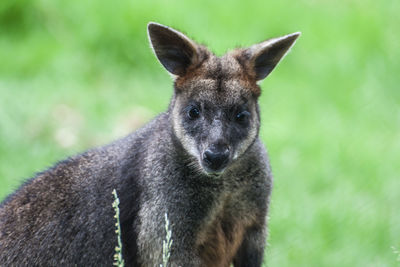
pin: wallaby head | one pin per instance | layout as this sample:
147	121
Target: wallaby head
214	111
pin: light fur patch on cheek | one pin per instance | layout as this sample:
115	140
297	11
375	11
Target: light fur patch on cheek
250	138
187	142
245	143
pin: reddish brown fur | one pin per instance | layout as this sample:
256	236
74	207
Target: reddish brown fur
220	238
220	69
215	248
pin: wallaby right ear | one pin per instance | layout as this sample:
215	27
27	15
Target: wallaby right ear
262	58
174	50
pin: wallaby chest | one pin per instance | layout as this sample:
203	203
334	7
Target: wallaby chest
219	238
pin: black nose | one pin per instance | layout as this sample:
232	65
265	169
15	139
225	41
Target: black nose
216	158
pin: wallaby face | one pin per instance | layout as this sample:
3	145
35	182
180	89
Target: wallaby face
201	163
214	111
215	118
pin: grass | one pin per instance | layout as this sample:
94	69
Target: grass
167	243
118	259
76	74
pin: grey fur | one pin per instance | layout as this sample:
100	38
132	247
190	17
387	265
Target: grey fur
217	213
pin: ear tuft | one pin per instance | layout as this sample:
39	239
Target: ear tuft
262	58
174	50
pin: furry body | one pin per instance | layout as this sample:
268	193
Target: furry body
217	206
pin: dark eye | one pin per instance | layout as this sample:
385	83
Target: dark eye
194	113
242	116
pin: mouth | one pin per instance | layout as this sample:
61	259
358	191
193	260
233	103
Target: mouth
211	168
213	173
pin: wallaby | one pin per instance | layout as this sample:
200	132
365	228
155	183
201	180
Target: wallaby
201	163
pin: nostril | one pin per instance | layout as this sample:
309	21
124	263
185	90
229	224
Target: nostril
208	156
211	157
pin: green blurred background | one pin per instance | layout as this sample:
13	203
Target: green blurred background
75	74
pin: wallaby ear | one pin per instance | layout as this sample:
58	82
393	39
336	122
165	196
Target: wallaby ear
174	50
262	58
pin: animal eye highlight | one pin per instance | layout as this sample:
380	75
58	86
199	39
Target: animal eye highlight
193	113
242	116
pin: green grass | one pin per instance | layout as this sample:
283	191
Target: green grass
118	259
74	74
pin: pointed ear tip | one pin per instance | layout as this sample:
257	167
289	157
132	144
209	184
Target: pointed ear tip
295	34
153	25
292	37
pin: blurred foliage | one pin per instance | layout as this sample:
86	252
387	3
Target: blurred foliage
74	74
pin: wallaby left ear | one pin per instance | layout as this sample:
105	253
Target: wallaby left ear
262	58
174	50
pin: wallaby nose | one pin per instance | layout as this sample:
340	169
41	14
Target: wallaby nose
216	158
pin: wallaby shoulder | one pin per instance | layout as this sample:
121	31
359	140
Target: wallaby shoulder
53	206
